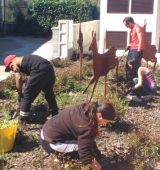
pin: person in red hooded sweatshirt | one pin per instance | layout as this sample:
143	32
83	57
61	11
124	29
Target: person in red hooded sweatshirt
42	77
137	44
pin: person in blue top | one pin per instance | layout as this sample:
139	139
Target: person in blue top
42	77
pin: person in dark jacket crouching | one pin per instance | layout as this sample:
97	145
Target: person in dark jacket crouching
74	130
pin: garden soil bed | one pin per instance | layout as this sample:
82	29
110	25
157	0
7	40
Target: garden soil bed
28	154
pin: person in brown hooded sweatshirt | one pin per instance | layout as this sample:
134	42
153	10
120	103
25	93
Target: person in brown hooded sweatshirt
73	132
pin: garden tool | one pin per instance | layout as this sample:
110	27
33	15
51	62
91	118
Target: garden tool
16	113
128	91
122	55
126	49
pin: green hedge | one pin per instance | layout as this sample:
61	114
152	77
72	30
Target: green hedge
48	12
44	14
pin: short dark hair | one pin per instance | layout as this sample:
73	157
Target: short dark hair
128	19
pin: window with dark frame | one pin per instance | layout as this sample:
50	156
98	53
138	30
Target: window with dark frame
117	39
118	6
142	6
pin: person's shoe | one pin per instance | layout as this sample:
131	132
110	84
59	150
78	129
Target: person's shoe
52	112
148	97
56	159
134	98
49	117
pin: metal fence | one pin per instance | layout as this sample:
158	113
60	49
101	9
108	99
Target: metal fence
0	10
8	16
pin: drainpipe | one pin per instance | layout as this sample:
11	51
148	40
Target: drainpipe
3	16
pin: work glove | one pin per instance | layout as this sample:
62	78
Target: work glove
127	48
20	96
130	91
138	55
97	154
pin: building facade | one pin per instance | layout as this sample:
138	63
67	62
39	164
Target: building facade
112	28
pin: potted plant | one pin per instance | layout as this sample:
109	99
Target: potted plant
8	130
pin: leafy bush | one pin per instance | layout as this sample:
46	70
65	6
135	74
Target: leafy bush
28	27
13	7
48	13
65	84
58	62
20	25
39	16
7	123
144	149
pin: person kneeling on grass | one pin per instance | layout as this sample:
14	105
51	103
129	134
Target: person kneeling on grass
73	132
144	82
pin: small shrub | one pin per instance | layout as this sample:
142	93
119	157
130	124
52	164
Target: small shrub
87	68
61	62
7	123
48	13
144	149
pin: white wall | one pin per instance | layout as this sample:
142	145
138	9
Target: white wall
86	28
158	27
114	22
66	35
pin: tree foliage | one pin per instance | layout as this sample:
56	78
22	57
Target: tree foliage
38	17
13	8
48	12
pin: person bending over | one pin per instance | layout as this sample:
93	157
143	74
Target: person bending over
73	131
42	77
144	82
137	44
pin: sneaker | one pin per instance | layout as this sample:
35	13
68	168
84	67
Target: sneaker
56	160
134	98
148	97
52	112
49	117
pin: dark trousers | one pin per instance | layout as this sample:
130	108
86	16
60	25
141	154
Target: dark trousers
131	55
40	80
144	90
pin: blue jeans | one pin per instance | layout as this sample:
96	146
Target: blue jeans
131	55
144	90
